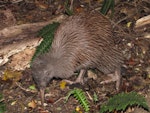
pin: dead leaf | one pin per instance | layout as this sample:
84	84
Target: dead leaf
41	110
32	104
50	100
91	75
11	75
131	62
79	10
63	84
21	60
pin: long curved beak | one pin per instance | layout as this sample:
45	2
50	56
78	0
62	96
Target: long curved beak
42	91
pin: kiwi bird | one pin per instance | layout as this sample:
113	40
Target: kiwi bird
83	41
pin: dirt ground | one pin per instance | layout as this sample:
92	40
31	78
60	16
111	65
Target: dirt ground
135	47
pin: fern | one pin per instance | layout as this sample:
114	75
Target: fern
80	96
47	33
67	9
122	101
2	105
95	97
107	5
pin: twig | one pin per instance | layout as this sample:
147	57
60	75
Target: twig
59	100
16	1
89	96
26	90
71	5
115	24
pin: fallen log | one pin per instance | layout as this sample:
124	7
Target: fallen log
16	39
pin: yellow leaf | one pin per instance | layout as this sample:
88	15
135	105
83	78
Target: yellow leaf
129	24
11	75
63	84
77	108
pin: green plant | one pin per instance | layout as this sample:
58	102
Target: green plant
67	9
47	33
80	96
95	97
122	101
2	105
107	5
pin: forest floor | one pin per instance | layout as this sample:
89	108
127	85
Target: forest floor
135	47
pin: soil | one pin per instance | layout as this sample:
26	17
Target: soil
20	98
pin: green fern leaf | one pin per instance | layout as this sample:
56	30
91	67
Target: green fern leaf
122	101
67	9
48	29
80	96
107	5
95	97
47	33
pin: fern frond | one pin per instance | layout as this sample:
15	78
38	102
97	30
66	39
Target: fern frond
124	100
95	97
107	5
80	96
47	33
48	29
67	9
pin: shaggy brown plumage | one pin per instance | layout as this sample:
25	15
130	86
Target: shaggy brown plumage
83	41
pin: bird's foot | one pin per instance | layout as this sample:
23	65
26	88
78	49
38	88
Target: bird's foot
74	82
115	77
79	79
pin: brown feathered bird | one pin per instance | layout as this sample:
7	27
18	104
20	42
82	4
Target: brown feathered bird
83	41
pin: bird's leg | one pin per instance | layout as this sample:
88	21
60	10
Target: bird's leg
118	78
79	79
115	77
42	91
